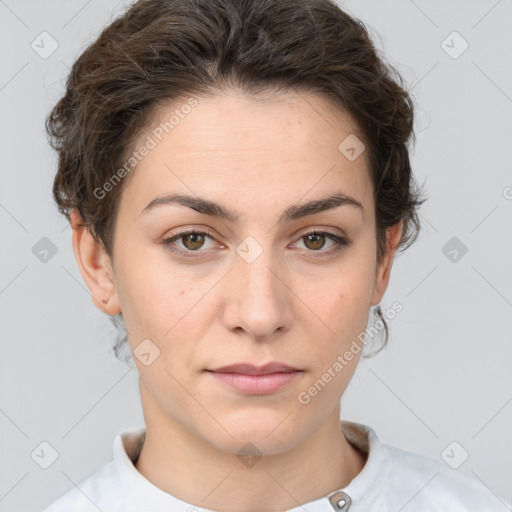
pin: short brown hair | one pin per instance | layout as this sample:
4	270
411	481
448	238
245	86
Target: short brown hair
162	50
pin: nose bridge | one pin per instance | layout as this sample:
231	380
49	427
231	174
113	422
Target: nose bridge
258	301
258	276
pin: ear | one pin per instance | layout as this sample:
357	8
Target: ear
95	267
384	266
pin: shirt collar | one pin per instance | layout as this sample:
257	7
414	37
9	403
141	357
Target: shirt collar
363	489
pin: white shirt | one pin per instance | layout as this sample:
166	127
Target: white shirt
392	480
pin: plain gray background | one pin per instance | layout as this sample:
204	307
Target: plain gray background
446	373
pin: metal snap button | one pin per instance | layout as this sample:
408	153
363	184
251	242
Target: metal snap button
340	501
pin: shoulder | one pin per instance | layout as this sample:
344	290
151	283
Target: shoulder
422	484
95	493
112	485
395	479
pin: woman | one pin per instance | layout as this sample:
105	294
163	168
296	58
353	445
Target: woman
237	177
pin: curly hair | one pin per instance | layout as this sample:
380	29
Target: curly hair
162	50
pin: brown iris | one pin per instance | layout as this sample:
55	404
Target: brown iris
196	241
317	241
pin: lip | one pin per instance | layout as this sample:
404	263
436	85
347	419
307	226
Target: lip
250	369
256	380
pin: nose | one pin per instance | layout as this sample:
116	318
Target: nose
257	299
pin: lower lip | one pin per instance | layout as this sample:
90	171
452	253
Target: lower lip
256	384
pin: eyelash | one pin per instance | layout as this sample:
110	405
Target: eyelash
340	242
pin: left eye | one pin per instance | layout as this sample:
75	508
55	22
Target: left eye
315	240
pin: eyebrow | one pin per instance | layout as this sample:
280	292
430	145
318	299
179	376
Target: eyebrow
293	212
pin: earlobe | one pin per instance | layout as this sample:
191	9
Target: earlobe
384	266
95	267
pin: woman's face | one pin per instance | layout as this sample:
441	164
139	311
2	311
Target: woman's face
249	287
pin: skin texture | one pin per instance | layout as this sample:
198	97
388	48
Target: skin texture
298	302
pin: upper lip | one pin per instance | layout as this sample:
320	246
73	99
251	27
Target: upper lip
250	369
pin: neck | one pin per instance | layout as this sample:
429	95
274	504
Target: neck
192	470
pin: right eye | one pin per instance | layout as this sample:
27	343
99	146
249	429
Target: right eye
191	240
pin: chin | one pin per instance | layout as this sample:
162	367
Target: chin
265	433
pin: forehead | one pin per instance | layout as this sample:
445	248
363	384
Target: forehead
235	121
286	145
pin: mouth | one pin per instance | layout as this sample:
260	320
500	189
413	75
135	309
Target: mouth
256	380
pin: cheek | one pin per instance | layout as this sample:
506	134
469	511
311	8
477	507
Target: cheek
164	303
152	298
143	276
346	289
341	301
